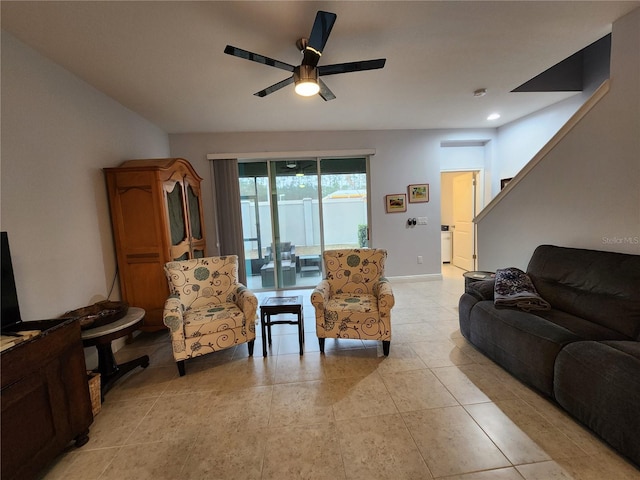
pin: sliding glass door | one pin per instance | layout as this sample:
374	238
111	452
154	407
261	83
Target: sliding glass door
344	203
292	209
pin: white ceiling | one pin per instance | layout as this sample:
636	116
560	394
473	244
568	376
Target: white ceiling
165	60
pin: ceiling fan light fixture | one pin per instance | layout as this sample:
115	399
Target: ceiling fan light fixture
307	89
306	80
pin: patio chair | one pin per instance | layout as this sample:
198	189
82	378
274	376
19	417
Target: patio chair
286	250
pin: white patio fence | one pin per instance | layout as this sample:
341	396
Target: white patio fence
300	222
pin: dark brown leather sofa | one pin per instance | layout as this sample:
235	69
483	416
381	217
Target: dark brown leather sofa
584	353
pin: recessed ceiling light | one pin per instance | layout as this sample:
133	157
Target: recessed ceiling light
493	116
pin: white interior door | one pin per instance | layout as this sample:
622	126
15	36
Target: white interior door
463	228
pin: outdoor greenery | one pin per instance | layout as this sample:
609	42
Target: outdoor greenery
363	241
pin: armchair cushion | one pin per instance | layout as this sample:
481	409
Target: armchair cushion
353	305
213	318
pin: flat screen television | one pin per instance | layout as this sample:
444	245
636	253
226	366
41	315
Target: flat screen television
10	309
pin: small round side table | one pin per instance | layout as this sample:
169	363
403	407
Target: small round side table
476	276
101	337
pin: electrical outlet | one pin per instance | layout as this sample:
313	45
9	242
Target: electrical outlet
419	258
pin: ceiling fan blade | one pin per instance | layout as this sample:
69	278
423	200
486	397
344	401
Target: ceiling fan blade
255	57
324	92
321	29
351	67
274	87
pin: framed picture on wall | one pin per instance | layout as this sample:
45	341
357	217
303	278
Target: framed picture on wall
419	193
396	203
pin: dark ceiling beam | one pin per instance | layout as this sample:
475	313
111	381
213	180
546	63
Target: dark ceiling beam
570	74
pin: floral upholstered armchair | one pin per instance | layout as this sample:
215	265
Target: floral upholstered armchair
355	299
207	310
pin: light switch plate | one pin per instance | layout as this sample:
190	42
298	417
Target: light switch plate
422	220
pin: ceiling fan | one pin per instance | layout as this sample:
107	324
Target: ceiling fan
306	75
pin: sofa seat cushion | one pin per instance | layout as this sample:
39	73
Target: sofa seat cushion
583	328
525	344
630	348
599	384
212	318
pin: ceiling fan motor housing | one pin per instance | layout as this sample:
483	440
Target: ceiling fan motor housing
305	73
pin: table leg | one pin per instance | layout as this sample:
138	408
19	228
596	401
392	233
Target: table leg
264	333
110	371
300	331
107	365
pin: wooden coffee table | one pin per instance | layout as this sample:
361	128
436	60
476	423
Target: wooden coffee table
278	306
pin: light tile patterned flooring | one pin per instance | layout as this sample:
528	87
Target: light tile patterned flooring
435	408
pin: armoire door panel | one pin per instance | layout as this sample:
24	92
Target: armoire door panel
175	208
149	285
195	215
134	205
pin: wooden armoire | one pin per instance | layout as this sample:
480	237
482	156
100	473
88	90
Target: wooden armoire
156	214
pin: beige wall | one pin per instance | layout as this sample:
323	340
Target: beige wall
585	193
57	135
402	157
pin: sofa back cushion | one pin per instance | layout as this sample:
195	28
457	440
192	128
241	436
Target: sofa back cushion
602	287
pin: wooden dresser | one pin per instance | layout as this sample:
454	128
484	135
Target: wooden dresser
45	397
156	214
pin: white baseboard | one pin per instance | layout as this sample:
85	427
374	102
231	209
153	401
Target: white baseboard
416	278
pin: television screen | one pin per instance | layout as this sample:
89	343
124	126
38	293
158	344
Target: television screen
10	308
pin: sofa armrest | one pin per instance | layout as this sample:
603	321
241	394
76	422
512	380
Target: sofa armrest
173	318
384	292
247	302
482	289
320	295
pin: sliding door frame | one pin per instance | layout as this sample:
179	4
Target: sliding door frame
316	156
